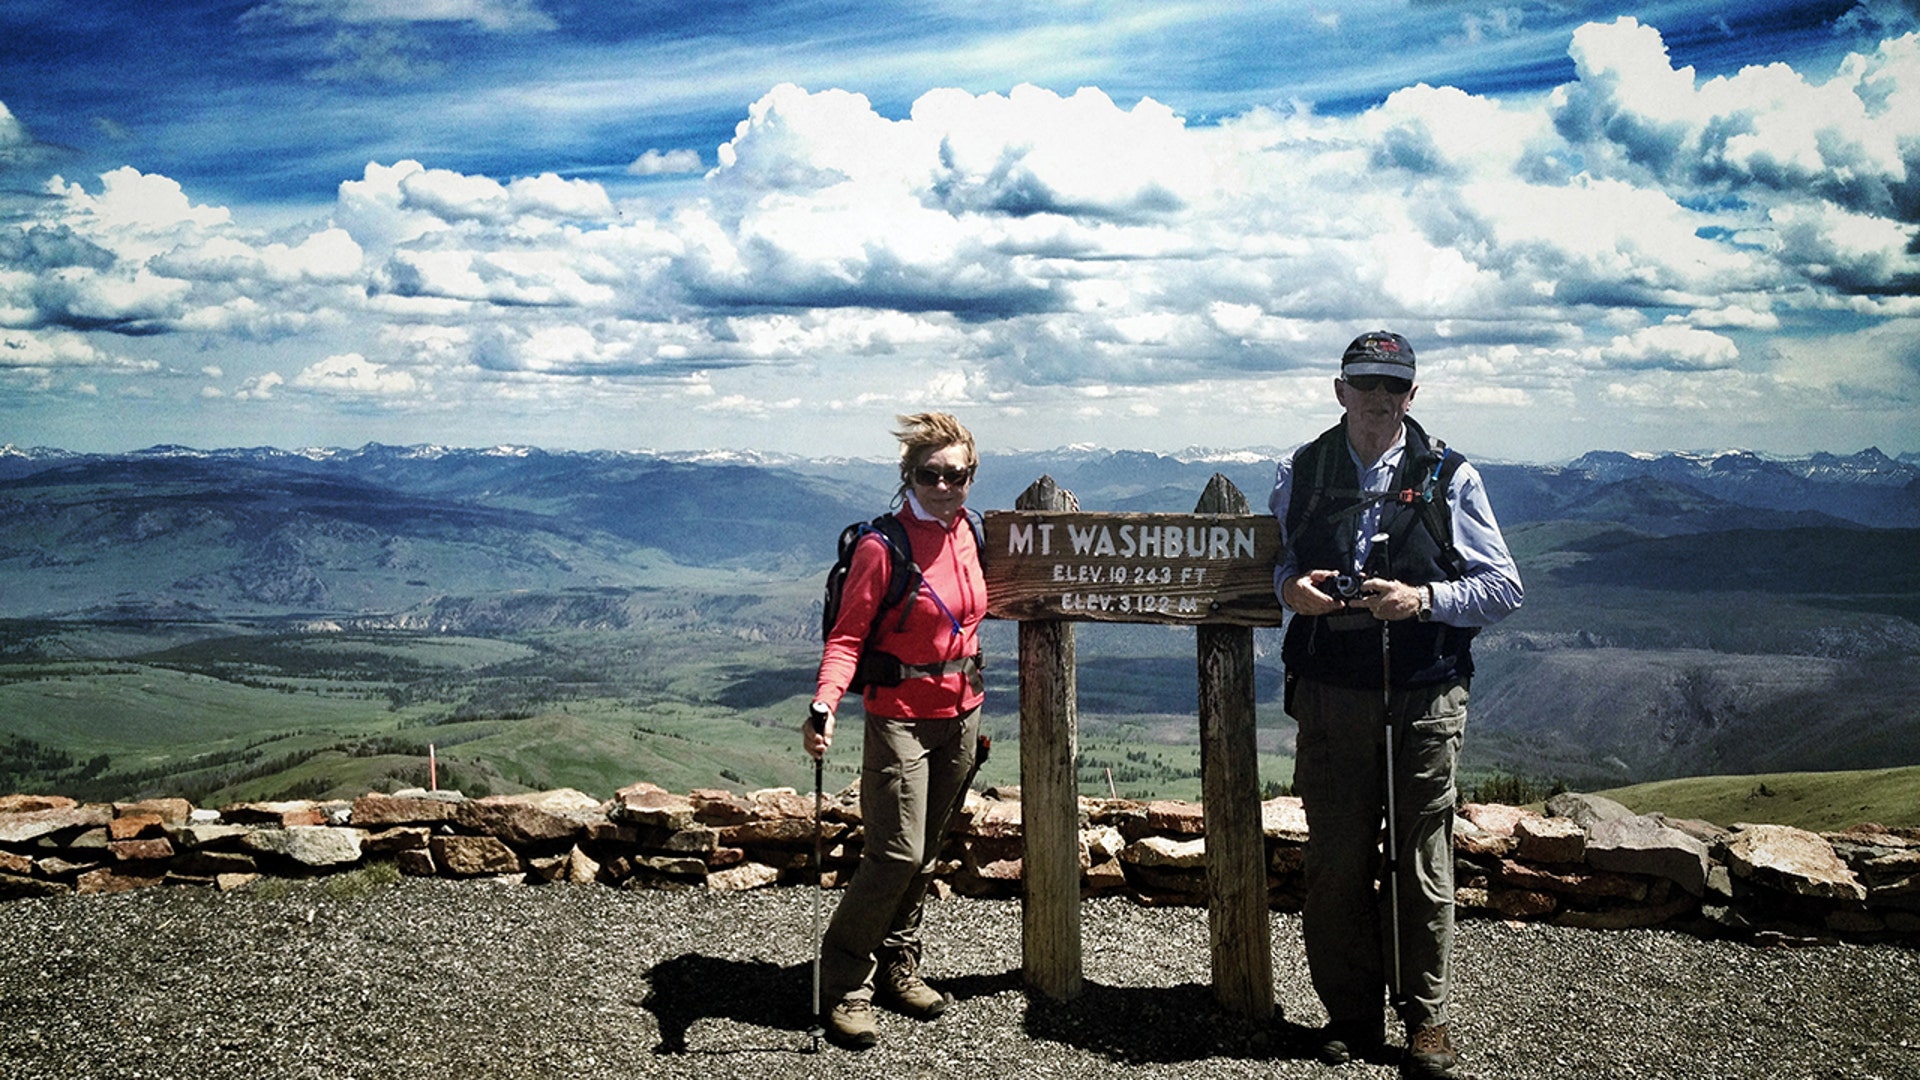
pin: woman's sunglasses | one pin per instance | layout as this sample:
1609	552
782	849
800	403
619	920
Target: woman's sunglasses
928	476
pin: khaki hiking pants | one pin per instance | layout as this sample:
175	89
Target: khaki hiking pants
913	778
1338	775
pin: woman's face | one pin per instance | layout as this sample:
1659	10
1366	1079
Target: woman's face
940	481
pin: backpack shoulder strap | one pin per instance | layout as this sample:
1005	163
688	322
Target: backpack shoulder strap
979	533
1436	507
1314	464
904	574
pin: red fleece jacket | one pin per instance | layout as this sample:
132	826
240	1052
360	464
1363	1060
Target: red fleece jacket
950	561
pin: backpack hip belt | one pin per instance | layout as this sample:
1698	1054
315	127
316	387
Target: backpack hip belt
884	669
968	664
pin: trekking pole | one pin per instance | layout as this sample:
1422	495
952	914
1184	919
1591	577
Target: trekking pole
1396	988
817	718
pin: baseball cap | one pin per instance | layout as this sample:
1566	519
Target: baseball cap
1379	353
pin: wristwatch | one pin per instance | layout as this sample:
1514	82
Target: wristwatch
1426	603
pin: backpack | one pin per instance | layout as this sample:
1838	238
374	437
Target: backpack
1429	499
903	581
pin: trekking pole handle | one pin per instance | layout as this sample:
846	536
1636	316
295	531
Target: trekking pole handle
818	714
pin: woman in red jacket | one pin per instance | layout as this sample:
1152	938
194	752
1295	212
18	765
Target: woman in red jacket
920	733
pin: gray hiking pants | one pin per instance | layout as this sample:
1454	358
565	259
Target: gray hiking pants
913	778
1338	772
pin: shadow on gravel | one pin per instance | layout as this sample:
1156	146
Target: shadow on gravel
1139	1025
968	987
1129	1025
691	987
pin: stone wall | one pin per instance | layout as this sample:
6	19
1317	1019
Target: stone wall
1587	862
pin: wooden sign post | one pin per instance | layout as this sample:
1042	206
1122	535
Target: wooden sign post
1049	565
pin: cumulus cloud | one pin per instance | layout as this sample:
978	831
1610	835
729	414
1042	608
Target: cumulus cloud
139	257
1669	346
19	153
260	387
665	163
13	134
353	375
132	203
1767	129
26	350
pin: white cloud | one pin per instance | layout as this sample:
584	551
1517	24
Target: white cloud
135	204
373	208
260	387
1855	252
326	257
549	196
140	257
1688	392
753	408
56	350
1767	132
665	163
13	133
1669	346
135	300
1734	317
1033	152
454	197
353	375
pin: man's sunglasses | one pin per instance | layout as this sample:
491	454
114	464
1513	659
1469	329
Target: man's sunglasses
927	476
1373	384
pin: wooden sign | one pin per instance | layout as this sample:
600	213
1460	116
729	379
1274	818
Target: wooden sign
1156	568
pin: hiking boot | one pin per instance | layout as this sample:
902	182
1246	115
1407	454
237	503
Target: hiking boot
852	1024
902	990
1351	1040
1430	1056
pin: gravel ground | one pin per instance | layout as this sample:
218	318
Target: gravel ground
344	979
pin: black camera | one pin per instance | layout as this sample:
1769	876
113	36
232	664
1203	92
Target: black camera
1344	587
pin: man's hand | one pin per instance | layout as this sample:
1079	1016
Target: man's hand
1390	601
1304	593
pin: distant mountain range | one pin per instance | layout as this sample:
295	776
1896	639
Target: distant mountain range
600	487
259	530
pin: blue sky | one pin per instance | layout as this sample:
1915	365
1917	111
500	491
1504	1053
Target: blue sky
772	226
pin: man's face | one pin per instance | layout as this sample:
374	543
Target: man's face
1375	404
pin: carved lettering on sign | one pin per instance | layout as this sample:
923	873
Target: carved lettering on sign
1171	568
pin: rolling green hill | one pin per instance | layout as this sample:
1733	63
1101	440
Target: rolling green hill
1819	801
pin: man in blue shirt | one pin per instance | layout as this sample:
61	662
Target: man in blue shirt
1393	562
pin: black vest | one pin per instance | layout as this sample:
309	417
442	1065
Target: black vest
1343	649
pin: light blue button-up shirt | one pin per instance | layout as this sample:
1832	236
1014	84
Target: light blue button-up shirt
1488	592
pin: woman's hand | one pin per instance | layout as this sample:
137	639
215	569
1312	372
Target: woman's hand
817	733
